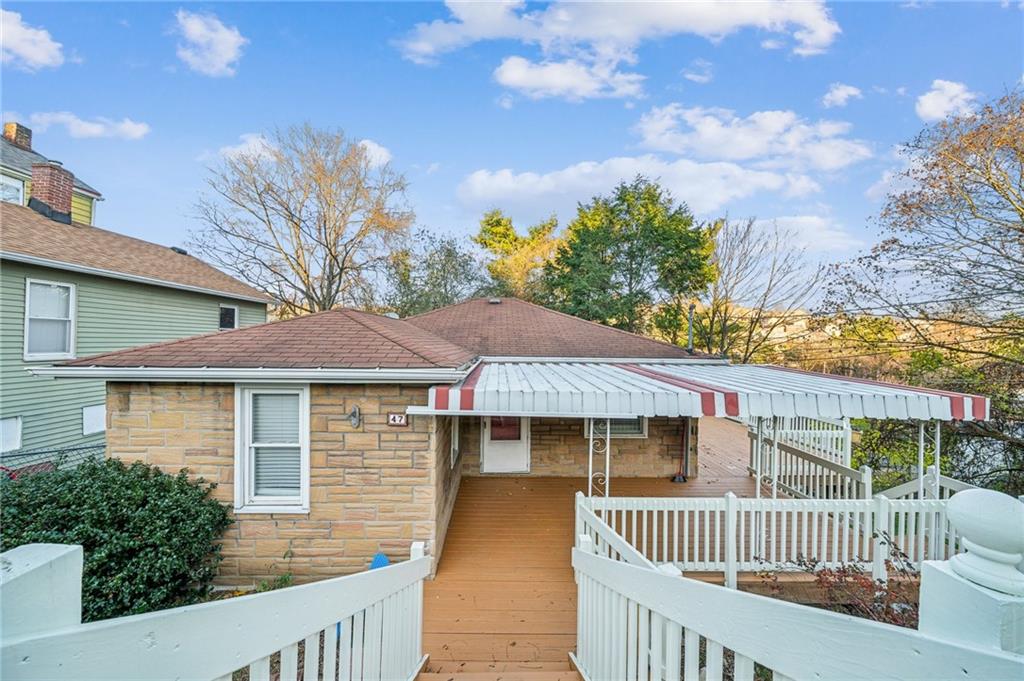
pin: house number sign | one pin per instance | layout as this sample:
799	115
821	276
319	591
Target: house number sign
397	418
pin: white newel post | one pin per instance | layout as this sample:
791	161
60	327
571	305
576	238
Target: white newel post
978	596
40	588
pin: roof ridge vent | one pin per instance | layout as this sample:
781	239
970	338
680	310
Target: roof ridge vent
179	250
494	301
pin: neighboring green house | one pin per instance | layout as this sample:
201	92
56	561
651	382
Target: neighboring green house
16	160
68	290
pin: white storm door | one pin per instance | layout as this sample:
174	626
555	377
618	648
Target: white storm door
506	445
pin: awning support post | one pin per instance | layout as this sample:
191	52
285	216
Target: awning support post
599	443
775	457
759	457
938	458
920	459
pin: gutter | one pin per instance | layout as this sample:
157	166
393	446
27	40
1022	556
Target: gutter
253	375
112	274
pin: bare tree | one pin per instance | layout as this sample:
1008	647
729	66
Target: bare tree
764	281
308	217
951	267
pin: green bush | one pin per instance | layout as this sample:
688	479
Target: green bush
150	538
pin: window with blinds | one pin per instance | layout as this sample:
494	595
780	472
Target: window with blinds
49	320
274	456
622	428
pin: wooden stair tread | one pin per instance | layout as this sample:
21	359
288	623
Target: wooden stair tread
500	676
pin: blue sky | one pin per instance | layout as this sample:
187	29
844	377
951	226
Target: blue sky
528	108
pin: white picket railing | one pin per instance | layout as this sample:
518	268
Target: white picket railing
636	623
729	535
806	475
912	490
362	626
605	540
830	439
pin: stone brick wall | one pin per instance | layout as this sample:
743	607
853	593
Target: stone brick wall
372	488
558	448
447	481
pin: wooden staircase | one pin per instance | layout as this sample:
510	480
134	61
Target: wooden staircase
500	671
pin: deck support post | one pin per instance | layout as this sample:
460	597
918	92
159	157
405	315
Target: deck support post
880	526
730	540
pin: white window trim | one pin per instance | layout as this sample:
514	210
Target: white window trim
249	503
616	436
21	193
18	423
454	454
72	310
238	321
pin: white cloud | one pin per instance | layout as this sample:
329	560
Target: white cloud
208	46
772	44
570	79
945	98
706	187
839	94
505	101
433	168
772	138
600	37
376	154
125	128
27	47
250	144
700	71
816	233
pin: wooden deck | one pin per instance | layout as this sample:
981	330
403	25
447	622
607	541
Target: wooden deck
504	597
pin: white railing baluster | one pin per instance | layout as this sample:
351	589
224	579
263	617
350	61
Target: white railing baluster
260	669
743	668
311	657
290	662
713	654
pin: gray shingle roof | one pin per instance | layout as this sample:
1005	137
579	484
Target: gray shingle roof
14	157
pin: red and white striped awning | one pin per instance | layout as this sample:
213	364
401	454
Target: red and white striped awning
624	389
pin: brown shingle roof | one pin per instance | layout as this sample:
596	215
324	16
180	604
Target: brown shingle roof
516	328
336	339
27	233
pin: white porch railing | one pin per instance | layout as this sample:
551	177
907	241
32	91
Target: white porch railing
806	475
912	490
362	626
730	535
634	622
830	439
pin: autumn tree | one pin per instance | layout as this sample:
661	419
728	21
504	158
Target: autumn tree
950	272
628	257
762	286
517	261
429	272
309	217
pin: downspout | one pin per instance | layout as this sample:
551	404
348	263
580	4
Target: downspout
684	457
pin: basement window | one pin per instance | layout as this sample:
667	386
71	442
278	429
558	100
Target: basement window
621	428
272	453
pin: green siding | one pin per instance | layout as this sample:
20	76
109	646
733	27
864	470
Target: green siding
111	315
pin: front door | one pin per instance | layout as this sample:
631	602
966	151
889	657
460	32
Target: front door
506	445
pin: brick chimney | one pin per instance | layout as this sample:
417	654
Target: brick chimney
51	190
18	134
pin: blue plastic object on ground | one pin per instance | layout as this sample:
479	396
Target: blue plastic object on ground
379	561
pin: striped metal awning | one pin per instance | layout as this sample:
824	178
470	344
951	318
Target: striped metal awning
624	389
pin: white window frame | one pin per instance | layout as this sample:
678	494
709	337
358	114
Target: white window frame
454	454
642	435
103	418
18	424
10	180
245	499
73	318
237	320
